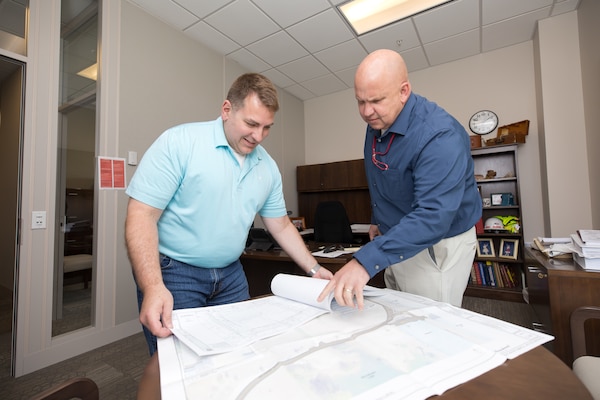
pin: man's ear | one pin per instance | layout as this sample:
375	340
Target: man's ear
226	110
405	91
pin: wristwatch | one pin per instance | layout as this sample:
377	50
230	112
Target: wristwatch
314	270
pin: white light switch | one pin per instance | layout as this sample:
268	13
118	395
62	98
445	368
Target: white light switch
38	220
132	158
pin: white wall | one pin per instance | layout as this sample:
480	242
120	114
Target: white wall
565	146
502	81
589	32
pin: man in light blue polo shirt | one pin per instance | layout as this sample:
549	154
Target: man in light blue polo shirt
192	201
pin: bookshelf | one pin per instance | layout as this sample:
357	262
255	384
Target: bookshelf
498	268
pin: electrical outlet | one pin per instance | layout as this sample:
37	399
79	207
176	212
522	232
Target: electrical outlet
38	220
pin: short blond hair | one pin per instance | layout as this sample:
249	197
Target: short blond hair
253	83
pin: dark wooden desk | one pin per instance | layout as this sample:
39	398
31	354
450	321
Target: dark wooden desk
261	266
568	287
537	374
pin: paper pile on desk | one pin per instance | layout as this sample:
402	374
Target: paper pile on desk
586	249
554	247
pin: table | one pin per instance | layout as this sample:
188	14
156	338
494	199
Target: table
537	374
534	374
261	266
556	288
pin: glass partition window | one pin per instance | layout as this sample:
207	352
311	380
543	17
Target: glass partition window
74	264
13	23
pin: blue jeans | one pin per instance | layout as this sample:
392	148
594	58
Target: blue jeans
199	287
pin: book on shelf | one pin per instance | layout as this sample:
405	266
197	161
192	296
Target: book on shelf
493	274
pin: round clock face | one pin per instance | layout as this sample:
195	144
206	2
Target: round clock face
483	122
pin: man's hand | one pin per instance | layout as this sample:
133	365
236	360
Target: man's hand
157	310
374	231
346	284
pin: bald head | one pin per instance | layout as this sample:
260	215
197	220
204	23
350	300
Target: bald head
382	64
381	87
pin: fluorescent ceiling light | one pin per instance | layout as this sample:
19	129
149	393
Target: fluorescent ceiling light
90	72
368	15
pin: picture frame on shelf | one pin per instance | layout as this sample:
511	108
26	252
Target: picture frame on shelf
485	248
496	199
299	223
509	248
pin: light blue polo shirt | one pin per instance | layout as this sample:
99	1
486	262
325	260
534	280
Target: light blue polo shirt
209	202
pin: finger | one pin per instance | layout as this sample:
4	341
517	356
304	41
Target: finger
360	301
155	325
349	297
167	317
326	290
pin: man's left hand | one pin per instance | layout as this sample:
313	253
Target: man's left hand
346	284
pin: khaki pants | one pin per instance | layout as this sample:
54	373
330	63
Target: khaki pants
441	276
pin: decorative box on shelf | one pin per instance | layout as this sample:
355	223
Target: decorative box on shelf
513	133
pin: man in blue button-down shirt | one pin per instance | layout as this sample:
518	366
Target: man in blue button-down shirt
424	197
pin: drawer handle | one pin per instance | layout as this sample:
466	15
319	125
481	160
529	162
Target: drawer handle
542	276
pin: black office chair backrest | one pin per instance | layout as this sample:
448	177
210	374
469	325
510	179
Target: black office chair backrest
331	223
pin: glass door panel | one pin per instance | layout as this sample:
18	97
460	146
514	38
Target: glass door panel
75	261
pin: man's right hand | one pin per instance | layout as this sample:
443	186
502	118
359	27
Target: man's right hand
157	310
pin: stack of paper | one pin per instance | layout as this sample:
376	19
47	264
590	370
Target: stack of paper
586	243
554	247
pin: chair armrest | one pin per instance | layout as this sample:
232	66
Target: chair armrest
578	318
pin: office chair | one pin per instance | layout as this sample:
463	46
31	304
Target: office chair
586	367
331	223
79	388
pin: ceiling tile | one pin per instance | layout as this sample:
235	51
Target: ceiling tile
564	6
512	31
498	10
202	8
415	59
325	85
447	20
300	92
402	32
287	13
278	49
249	60
453	48
310	33
347	76
168	12
243	22
342	56
278	78
212	38
304	69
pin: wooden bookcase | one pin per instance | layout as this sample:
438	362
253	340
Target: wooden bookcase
502	160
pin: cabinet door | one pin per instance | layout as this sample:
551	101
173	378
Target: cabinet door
308	178
343	175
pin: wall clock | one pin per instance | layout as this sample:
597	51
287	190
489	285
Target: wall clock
483	122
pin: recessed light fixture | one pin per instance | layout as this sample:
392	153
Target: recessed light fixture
367	15
90	72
